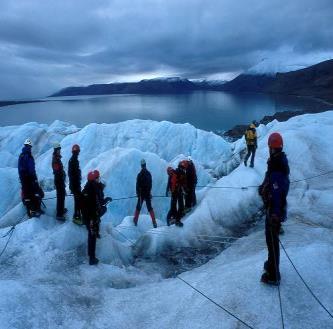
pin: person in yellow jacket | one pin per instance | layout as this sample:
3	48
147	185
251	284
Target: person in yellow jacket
251	142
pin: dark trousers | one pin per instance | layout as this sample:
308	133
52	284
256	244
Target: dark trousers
61	193
190	198
77	210
176	198
272	241
251	149
32	204
91	244
141	199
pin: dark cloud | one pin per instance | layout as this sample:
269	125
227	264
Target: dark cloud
47	44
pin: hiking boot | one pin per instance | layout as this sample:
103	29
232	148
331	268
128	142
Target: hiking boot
77	220
34	214
93	261
61	218
265	278
187	210
251	165
179	223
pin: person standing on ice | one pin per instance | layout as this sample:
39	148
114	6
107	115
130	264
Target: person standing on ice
251	143
175	187
59	181
274	191
74	175
93	208
143	192
191	182
32	194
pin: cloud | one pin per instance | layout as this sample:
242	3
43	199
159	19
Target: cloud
51	44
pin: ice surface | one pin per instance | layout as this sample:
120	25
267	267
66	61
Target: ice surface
44	276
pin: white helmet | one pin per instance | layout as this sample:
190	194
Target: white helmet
28	142
189	158
56	145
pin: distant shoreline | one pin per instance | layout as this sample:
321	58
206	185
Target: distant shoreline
9	103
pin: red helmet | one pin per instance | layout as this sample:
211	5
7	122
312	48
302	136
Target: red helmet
91	176
183	164
76	148
169	170
275	141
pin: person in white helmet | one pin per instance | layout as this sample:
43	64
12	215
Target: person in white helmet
143	192
31	191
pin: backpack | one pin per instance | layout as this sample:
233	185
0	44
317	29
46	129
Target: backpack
250	136
87	204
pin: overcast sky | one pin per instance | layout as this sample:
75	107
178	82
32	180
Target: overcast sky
46	45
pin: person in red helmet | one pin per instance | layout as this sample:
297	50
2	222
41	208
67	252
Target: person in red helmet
143	192
274	191
74	175
176	184
93	207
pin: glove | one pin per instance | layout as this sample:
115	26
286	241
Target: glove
107	199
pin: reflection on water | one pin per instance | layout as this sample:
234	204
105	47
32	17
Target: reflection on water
205	110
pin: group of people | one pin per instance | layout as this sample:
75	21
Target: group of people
181	186
90	203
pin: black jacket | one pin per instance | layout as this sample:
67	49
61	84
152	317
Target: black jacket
143	183
74	174
58	171
93	201
191	175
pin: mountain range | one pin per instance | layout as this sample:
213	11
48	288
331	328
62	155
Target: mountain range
314	81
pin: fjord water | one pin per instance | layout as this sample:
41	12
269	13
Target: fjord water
208	110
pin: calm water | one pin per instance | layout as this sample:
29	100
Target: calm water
213	111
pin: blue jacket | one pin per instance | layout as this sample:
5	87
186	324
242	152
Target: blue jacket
26	165
276	185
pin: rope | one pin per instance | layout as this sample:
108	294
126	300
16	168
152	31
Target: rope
5	247
256	186
218	305
10	234
306	285
210	186
124	236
